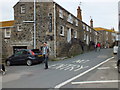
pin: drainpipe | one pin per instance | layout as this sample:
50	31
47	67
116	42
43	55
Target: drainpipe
54	31
34	24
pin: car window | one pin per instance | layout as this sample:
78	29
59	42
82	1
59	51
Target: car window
36	51
25	52
18	53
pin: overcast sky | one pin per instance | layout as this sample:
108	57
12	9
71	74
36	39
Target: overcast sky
103	12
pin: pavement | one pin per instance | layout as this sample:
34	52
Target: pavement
61	71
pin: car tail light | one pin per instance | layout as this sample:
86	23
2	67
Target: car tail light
32	53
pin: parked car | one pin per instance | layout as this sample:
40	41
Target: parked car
25	56
115	49
118	61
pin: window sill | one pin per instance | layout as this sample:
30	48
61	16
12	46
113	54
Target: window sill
61	35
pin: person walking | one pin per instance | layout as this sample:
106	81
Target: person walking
3	69
98	46
45	52
95	47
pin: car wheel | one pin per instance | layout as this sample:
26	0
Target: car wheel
119	67
8	63
29	62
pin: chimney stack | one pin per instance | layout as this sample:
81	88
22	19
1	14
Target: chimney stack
91	23
79	14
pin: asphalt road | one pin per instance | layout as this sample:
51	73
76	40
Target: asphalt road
60	73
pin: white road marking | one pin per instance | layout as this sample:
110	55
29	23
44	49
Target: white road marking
81	74
69	67
78	61
81	68
86	61
92	82
101	68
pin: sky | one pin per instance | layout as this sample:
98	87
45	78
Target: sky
103	12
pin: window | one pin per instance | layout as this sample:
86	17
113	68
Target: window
75	34
84	27
18	53
84	36
87	28
70	19
90	38
76	22
62	30
96	33
106	33
22	9
50	22
19	27
90	30
7	33
60	13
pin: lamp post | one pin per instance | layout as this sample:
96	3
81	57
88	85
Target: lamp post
34	21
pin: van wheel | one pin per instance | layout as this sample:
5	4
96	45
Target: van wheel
29	62
119	67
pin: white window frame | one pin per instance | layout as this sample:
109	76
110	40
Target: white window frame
106	33
7	36
70	18
96	33
87	28
84	36
62	30
90	30
60	13
84	26
75	34
22	9
18	27
76	22
90	38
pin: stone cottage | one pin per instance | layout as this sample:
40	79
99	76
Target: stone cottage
65	33
5	30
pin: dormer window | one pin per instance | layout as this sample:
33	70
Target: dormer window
60	13
22	9
70	19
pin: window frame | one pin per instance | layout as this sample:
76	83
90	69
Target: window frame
7	36
22	9
75	34
18	27
62	30
70	19
76	22
60	13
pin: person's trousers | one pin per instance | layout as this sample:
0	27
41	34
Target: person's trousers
3	67
46	61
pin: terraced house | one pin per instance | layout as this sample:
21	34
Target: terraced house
65	33
5	30
108	36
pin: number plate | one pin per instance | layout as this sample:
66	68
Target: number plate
40	55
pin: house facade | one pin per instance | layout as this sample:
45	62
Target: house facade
6	28
108	36
64	33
